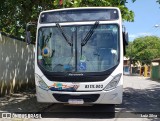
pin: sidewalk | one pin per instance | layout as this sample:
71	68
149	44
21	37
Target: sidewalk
21	102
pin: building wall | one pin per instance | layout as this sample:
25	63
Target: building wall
126	66
155	73
16	65
126	70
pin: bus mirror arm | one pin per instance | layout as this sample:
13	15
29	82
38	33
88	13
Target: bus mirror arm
28	33
28	37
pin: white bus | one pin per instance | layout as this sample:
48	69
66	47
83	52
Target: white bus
79	56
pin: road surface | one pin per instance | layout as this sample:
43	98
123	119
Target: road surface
141	95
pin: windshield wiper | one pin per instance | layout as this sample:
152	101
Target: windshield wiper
64	34
90	33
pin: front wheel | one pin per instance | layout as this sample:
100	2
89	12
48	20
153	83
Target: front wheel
105	110
108	107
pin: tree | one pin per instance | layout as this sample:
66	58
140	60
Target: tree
15	14
144	49
158	1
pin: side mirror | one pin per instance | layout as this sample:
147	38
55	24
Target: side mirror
28	32
125	39
28	37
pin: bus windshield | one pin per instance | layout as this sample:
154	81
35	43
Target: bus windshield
62	48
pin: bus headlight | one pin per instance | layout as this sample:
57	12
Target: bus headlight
113	83
40	82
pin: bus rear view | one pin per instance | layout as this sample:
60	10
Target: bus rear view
79	56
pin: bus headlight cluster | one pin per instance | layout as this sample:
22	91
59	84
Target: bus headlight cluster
40	82
113	83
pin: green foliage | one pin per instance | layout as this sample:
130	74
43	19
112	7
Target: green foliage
127	14
144	49
158	1
14	14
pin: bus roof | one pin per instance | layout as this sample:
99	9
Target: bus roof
80	14
81	8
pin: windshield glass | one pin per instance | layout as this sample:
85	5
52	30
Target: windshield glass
62	49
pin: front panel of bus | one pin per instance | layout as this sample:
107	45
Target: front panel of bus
79	56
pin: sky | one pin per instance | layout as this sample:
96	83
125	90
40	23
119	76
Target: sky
147	15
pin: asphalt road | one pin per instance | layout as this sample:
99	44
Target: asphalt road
141	98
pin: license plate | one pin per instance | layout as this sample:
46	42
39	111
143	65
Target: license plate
75	101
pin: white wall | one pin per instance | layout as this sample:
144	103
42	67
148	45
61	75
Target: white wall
16	65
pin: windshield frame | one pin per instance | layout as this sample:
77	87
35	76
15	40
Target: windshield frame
106	72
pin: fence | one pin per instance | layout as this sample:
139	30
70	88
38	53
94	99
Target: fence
16	65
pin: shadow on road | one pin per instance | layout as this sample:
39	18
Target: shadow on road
141	100
21	102
68	111
134	101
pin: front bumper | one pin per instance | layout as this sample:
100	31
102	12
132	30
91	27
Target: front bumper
105	97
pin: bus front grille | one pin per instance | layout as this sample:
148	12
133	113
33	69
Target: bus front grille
86	98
